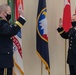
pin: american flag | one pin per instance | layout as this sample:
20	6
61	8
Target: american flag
17	42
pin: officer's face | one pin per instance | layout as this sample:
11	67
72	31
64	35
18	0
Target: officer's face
8	10
8	13
73	18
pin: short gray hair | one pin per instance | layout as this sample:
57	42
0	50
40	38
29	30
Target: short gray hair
3	8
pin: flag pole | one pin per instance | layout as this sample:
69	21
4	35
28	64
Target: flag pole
75	7
41	68
65	57
11	4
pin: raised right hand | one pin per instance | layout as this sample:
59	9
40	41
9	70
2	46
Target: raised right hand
60	22
20	10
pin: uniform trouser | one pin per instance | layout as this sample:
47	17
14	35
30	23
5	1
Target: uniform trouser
72	69
6	71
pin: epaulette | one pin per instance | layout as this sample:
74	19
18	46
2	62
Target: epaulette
2	20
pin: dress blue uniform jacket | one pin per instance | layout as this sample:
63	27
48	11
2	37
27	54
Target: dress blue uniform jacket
6	42
71	35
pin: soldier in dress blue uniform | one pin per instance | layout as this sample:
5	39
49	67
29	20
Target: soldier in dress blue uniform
71	35
6	33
